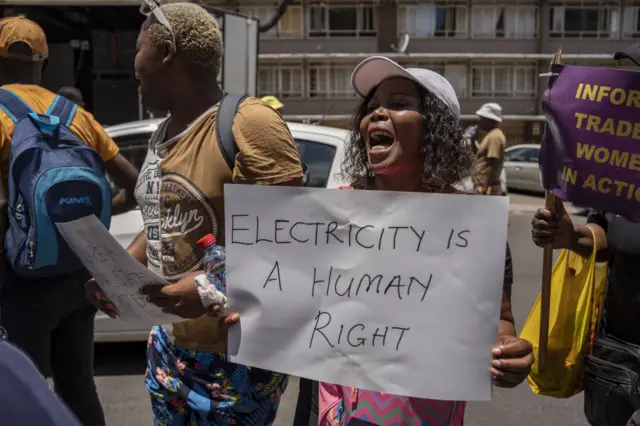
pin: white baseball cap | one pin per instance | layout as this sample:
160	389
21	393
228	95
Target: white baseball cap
374	70
492	111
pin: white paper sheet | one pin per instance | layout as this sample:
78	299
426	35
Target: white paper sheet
425	327
119	275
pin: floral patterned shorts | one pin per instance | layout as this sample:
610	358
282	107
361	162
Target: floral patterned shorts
190	388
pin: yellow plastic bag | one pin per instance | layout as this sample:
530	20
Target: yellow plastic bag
577	295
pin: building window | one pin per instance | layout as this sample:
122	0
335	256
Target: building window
524	81
457	76
280	80
589	21
618	64
455	73
342	21
330	80
503	81
289	26
504	22
631	23
431	20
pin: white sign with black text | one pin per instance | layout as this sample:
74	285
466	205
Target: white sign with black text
386	291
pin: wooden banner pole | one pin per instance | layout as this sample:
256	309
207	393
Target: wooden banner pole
547	267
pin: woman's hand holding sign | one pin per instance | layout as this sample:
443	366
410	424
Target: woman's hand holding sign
512	356
512	361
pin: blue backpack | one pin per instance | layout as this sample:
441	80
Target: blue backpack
53	177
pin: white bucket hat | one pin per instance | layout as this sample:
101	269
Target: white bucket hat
492	111
374	70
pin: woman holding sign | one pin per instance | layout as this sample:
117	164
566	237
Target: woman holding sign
406	137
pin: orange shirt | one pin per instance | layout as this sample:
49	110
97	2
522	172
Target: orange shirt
39	99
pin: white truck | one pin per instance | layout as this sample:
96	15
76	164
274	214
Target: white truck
92	46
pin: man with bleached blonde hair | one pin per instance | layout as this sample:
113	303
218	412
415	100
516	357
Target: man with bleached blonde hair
181	197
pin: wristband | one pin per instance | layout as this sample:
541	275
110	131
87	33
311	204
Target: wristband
209	294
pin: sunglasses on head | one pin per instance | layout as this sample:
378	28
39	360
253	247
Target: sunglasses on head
152	7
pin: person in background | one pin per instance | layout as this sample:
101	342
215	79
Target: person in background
189	377
274	103
490	152
50	319
73	94
406	137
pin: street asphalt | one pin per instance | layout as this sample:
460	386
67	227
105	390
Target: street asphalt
120	367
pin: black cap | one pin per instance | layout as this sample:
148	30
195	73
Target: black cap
632	54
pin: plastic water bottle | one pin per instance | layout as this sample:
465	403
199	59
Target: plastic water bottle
214	262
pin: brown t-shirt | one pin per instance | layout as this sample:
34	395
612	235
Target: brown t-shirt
492	146
190	203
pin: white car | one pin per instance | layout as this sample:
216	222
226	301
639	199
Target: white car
521	166
321	150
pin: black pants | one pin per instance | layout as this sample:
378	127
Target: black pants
52	322
307	405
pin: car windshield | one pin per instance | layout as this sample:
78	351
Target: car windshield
318	157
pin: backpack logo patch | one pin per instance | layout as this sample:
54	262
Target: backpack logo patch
76	200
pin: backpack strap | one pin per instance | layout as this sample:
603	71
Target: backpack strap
64	109
224	127
13	106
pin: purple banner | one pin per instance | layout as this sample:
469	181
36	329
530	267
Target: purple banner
590	153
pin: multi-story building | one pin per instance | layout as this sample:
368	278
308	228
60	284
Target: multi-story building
489	50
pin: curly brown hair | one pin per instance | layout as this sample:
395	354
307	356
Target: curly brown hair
447	158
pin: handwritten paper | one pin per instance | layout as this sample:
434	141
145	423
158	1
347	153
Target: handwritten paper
119	275
392	292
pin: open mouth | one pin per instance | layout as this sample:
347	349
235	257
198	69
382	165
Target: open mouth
380	140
